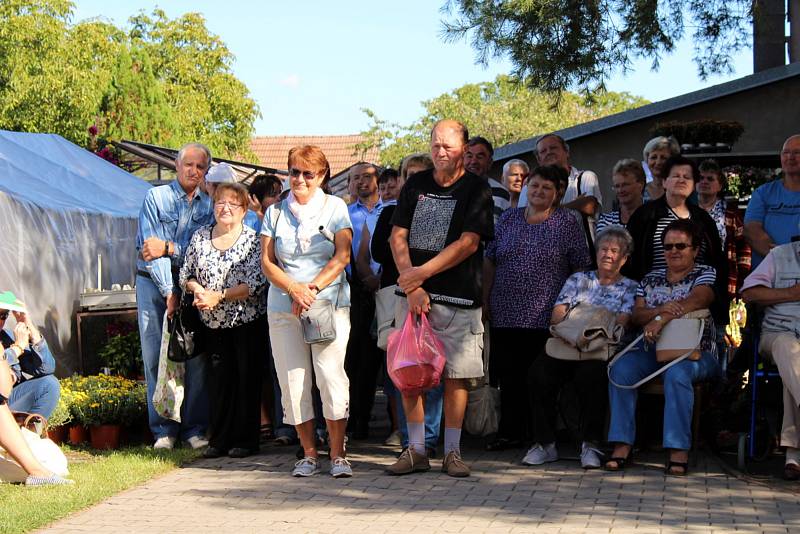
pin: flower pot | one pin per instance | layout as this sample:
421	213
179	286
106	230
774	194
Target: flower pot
78	434
105	436
58	434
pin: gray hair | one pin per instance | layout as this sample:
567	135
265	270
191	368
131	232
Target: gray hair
616	233
515	163
659	143
196	146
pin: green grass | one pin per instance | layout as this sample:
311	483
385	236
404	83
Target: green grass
97	476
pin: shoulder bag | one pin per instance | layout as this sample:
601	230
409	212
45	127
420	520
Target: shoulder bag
586	333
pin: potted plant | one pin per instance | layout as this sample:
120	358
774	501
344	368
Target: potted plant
122	354
58	423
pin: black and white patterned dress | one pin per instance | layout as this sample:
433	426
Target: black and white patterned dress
217	270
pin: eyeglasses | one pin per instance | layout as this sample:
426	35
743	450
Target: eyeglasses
308	175
3	315
231	205
677	246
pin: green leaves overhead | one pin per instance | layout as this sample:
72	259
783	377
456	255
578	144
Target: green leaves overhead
163	81
503	111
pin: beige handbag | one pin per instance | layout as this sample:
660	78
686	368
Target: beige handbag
586	333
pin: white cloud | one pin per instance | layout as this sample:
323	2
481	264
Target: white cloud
292	81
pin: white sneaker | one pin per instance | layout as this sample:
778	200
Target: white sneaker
167	442
591	457
394	439
538	454
196	442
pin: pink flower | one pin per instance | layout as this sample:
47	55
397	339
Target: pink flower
92	130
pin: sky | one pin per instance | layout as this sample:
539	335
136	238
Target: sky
312	65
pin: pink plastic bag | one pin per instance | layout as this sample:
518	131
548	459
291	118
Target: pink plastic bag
415	356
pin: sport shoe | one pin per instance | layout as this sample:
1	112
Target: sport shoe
340	468
538	454
166	442
454	466
196	442
306	467
409	461
591	457
394	439
52	480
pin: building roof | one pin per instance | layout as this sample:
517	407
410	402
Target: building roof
339	149
657	108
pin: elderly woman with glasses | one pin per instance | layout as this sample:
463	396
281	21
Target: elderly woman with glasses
628	182
606	288
666	293
222	270
306	242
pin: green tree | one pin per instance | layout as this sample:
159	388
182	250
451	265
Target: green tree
577	44
503	111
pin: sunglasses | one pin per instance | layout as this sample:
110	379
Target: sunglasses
677	246
308	175
3	315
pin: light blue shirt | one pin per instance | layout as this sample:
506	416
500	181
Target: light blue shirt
251	219
281	226
168	215
358	213
778	209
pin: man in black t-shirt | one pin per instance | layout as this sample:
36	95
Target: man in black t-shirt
442	217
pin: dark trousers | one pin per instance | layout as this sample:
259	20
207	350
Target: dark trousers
513	350
547	377
235	373
363	358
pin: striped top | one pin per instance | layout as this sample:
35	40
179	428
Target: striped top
658	246
501	198
608	219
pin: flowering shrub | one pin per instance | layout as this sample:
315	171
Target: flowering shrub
105	399
123	352
743	180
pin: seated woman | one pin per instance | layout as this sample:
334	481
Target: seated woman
604	287
663	295
12	441
35	389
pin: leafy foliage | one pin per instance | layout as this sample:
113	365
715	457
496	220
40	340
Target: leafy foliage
562	44
164	81
503	111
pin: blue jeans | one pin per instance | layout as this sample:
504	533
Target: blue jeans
37	395
195	408
678	394
434	398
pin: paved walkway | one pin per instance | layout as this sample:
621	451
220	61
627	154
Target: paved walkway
257	495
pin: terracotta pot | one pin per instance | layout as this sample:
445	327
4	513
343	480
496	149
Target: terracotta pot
105	436
78	434
58	434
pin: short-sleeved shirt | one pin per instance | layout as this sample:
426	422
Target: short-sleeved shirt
778	209
281	225
217	270
586	287
532	262
657	290
435	217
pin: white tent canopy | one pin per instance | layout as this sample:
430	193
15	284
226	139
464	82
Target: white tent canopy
61	207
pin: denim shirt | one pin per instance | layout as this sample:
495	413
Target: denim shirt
168	215
36	360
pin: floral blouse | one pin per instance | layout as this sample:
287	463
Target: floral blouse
217	270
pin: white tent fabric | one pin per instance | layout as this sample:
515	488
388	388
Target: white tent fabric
61	207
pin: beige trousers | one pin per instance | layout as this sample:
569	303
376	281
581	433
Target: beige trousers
784	350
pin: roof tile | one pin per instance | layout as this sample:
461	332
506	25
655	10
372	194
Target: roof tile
339	149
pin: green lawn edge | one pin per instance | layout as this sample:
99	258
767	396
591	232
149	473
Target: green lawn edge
97	475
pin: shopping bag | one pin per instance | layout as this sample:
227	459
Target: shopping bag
415	356
44	450
168	394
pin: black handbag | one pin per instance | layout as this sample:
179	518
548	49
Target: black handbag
187	337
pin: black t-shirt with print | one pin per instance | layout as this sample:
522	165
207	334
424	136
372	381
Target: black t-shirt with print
435	217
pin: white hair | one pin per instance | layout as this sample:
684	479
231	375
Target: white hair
197	146
515	163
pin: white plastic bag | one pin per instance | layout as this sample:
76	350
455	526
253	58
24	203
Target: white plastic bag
168	395
44	450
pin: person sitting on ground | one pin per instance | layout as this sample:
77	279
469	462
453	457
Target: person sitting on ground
665	294
628	184
607	288
656	153
12	441
774	284
36	389
533	253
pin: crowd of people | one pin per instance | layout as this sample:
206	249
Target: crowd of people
298	291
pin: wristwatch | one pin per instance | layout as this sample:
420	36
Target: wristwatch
658	318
